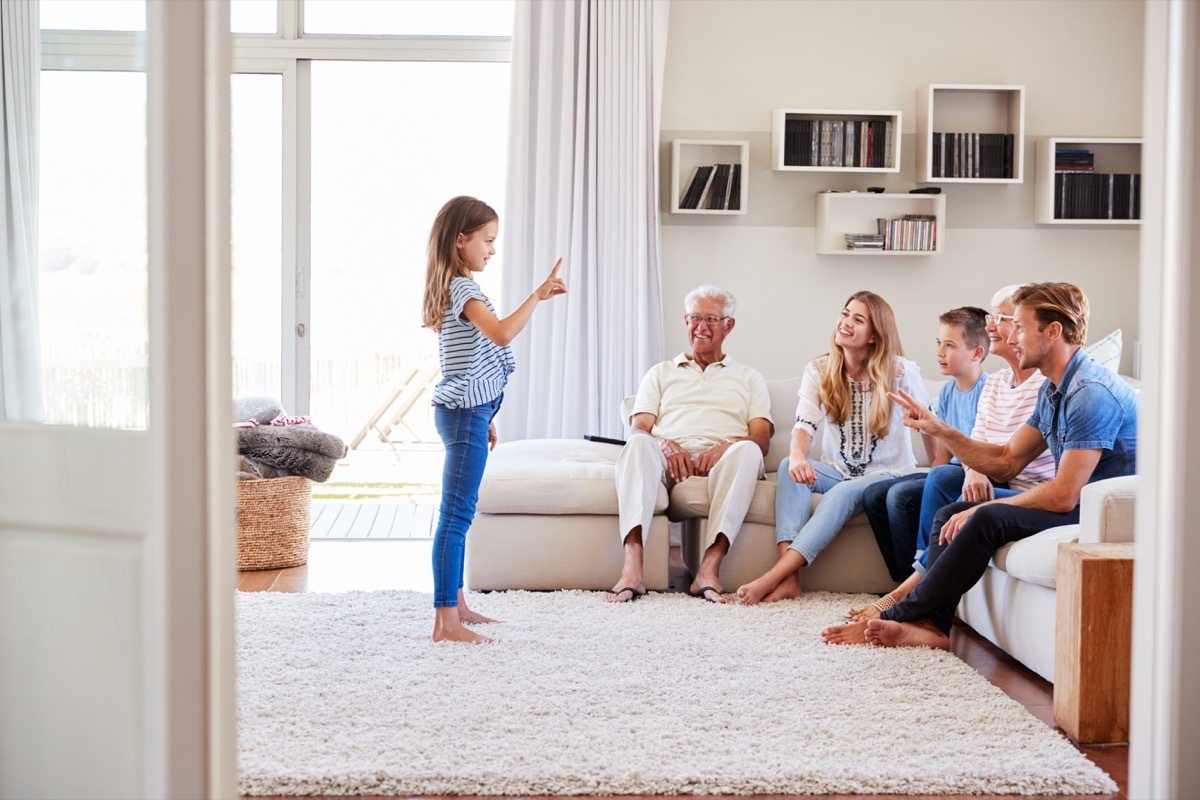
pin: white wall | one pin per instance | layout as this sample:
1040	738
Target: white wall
730	64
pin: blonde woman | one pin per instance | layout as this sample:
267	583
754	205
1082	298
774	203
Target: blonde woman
862	439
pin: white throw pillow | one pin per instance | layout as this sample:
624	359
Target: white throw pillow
1107	350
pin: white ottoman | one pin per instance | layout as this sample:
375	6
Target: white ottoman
547	519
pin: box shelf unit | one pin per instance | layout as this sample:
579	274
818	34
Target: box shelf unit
1111	155
779	143
969	108
839	213
689	154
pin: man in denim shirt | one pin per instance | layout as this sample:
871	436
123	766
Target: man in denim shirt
1085	415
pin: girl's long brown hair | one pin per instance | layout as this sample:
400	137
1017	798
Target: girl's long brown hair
881	367
463	215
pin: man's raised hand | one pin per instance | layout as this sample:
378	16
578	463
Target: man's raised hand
916	415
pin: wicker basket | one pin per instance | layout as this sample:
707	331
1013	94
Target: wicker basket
273	522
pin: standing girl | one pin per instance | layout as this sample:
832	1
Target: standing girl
476	362
844	395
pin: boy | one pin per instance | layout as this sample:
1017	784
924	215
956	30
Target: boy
894	506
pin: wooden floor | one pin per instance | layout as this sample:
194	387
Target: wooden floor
404	564
372	520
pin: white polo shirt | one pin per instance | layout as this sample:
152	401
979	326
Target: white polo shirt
699	408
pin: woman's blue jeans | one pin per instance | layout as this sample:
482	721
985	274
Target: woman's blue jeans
464	432
810	531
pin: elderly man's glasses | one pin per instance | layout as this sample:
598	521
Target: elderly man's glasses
996	319
696	319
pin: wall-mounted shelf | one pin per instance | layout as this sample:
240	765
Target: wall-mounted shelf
965	133
1057	193
832	140
840	213
690	156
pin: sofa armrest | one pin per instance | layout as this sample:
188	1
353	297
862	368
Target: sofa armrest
1106	510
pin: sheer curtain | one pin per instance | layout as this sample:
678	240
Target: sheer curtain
20	362
583	184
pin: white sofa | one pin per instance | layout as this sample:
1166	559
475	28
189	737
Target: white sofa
547	520
547	509
1013	605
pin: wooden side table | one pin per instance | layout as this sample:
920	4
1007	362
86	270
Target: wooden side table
1094	619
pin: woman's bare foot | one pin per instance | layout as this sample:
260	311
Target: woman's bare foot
852	633
788	589
753	592
923	633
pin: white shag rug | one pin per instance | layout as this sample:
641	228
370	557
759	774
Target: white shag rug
345	694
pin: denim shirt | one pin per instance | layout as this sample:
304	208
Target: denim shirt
1093	409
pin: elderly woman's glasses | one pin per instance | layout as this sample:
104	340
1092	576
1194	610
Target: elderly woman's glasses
996	319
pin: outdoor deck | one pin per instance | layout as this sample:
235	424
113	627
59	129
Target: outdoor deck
372	520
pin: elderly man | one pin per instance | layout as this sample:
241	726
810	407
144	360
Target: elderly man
699	414
1085	415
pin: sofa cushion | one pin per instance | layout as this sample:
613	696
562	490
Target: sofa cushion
1035	558
553	476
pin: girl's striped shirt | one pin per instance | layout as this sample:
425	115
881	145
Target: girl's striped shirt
475	369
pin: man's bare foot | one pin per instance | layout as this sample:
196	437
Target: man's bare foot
624	594
710	591
852	633
787	589
923	633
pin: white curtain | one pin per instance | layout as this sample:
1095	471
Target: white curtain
20	362
583	184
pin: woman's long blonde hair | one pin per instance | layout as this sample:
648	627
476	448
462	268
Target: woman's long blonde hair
463	215
881	367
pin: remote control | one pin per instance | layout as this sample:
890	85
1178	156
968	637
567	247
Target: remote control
926	190
875	189
591	437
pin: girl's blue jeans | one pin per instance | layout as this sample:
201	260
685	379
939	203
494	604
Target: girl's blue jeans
464	432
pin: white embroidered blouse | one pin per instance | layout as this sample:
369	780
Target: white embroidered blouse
851	448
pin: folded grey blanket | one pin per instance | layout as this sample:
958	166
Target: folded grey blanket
296	449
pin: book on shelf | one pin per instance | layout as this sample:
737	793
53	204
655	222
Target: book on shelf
1096	195
699	188
971	155
720	188
912	232
735	189
837	143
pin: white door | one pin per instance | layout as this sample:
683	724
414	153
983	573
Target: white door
116	564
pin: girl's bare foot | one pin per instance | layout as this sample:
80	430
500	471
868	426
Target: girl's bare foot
459	634
470	617
448	627
852	633
923	633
